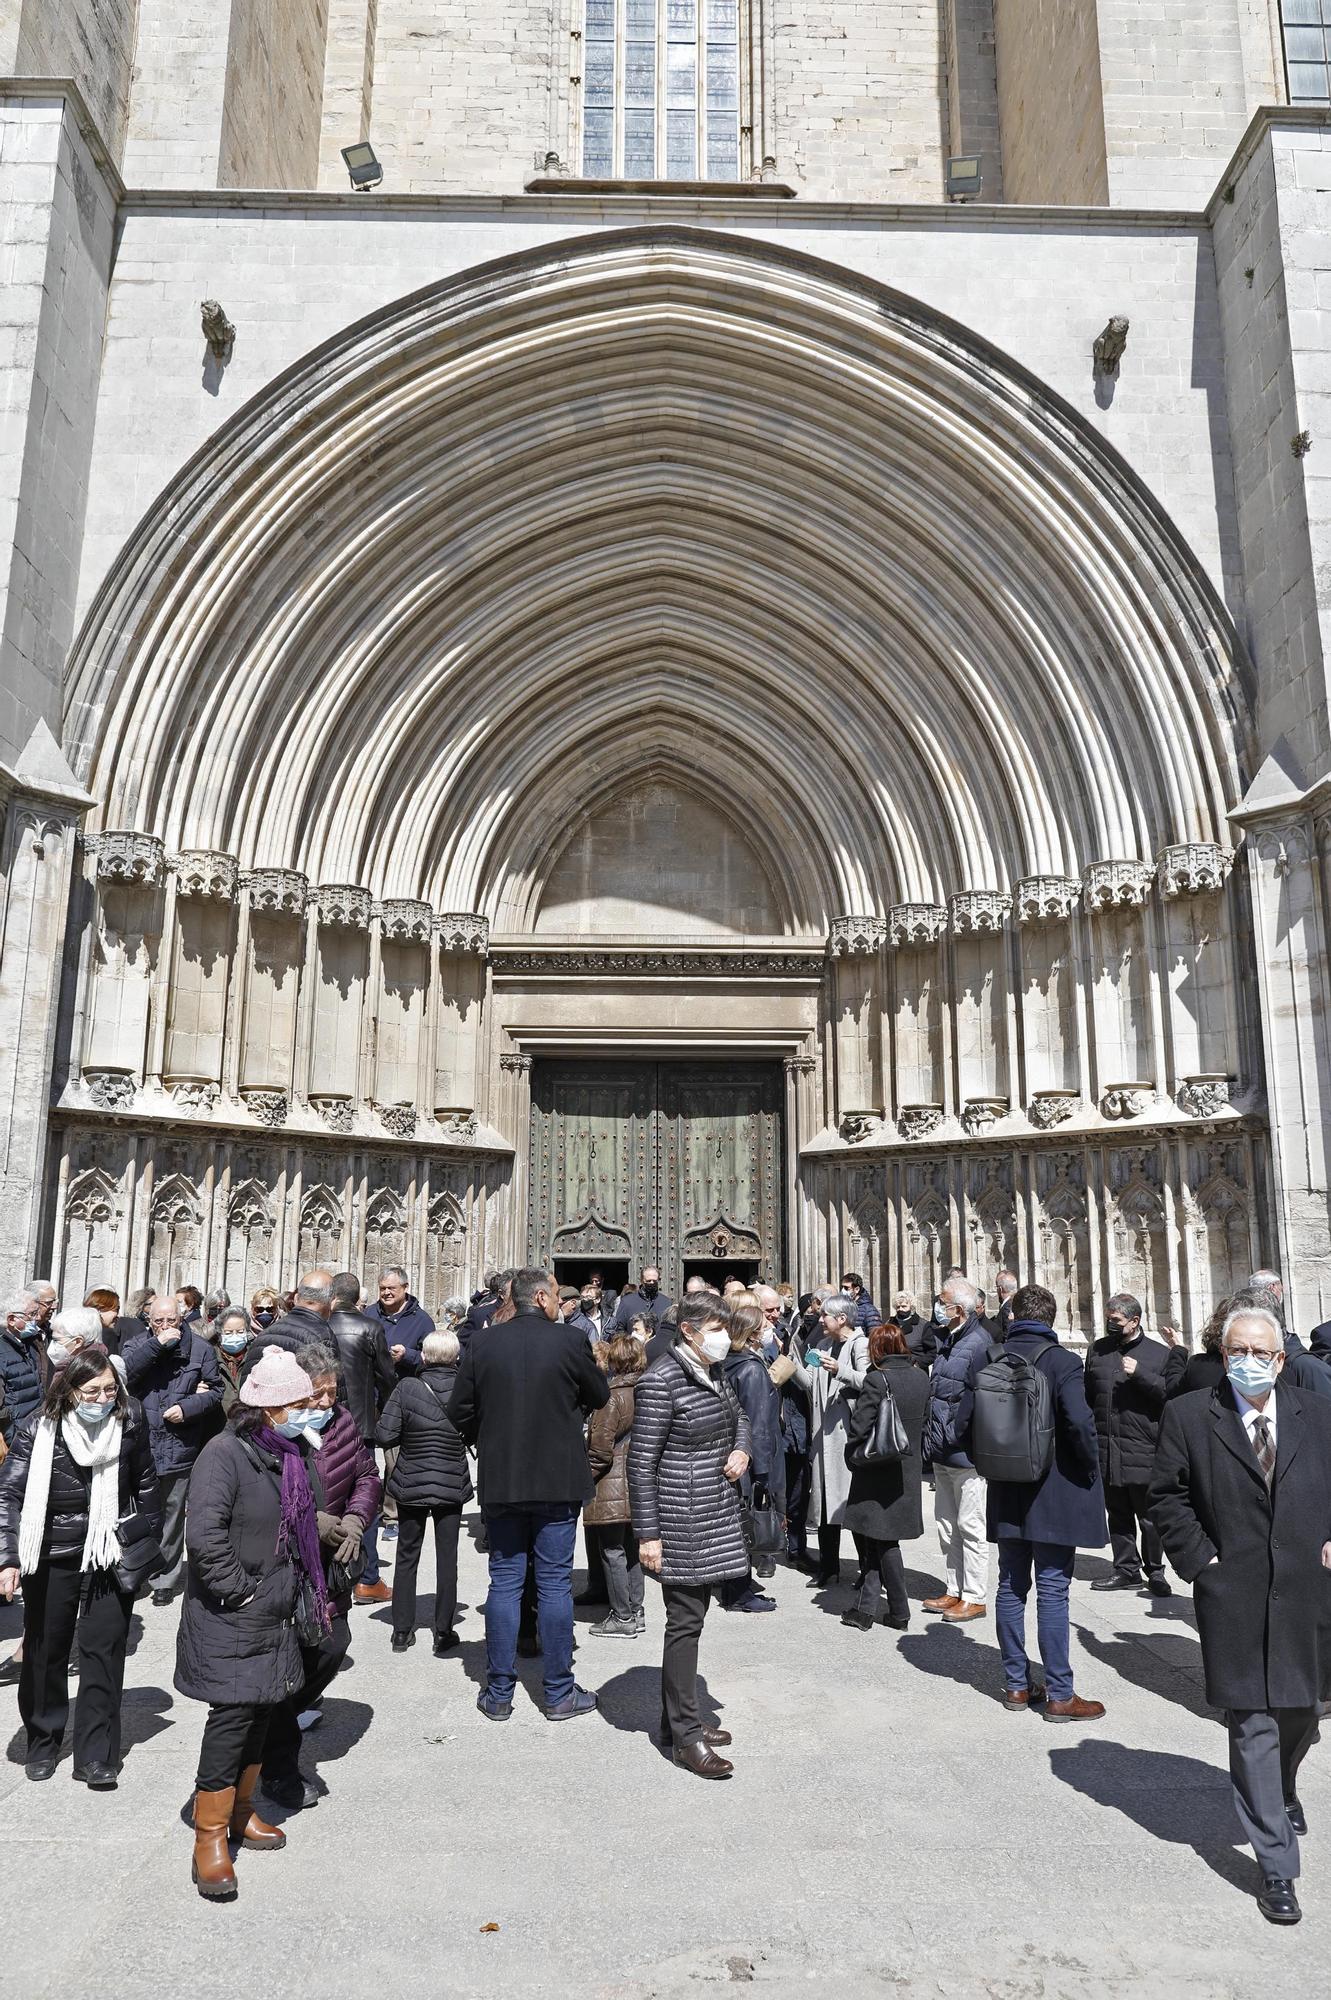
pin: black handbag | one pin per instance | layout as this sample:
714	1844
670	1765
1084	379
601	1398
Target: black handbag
344	1576
763	1532
140	1550
887	1442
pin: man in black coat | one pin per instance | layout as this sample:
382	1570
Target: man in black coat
1241	1494
1127	1380
920	1335
482	1308
367	1378
649	1301
522	1397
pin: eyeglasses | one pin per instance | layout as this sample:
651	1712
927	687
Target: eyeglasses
96	1395
1257	1353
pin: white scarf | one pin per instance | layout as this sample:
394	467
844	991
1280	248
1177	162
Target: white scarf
97	1451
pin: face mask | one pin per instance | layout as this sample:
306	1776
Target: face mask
58	1352
318	1420
588	1305
1116	1330
297	1424
265	1316
716	1346
235	1343
93	1414
1250	1376
942	1317
650	1291
771	1346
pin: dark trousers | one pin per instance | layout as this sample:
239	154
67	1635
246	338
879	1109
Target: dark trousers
173	1486
882	1570
57	1597
596	1590
281	1755
685	1609
797	1502
1126	1507
829	1549
1266	1747
233	1738
410	1542
616	1548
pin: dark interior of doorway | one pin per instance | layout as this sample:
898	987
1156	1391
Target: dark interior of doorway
614	1271
717	1269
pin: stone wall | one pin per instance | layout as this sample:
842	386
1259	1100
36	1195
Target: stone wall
91	41
1049	101
272	110
858	102
1175	102
972	88
174	138
461	98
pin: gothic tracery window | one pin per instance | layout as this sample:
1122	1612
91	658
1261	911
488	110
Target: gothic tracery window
661	90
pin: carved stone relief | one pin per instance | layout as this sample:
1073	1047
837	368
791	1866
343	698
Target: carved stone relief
916	923
342	906
201	872
276	892
857	937
1125	884
1043	899
978	911
1196	868
128	857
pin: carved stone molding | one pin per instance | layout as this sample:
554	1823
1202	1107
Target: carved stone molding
800	1065
110	1089
979	1113
399	1119
195	1094
1121	884
1202	1096
515	1062
342	906
664	962
402	920
1284	845
129	857
457	1124
1045	899
337	1113
1052	1107
201	872
1126	1100
270	1107
460	932
857	937
916	923
917	1121
978	912
276	892
1194	869
856	1126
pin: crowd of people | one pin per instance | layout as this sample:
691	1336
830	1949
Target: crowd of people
258	1459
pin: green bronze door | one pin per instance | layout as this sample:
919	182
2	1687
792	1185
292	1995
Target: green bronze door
668	1163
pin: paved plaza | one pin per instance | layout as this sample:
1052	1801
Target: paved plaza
889	1829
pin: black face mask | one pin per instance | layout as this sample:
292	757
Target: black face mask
1117	1332
650	1291
588	1305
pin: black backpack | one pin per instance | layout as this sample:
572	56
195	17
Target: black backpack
1012	1429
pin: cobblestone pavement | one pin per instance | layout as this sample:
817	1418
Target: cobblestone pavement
889	1829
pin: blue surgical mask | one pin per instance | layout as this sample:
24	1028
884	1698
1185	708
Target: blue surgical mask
93	1414
942	1317
1250	1376
318	1420
297	1424
235	1343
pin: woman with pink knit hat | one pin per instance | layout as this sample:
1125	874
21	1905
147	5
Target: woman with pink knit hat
254	1590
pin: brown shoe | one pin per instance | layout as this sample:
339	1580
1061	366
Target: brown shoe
702	1761
1075	1710
212	1871
373	1593
1020	1699
944	1603
246	1826
718	1739
962	1613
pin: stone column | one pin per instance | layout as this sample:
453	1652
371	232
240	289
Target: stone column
37	837
404	934
200	934
338	973
978	921
515	1116
464	942
1045	906
1197	976
914	931
277	900
856	946
1122	1044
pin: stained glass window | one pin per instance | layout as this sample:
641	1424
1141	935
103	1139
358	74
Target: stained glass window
661	90
1307	25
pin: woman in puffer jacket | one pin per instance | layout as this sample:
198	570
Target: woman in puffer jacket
342	1469
430	1482
690	1447
79	1522
252	1541
606	1519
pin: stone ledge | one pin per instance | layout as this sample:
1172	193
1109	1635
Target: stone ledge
699	190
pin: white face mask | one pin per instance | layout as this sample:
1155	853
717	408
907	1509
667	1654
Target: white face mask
715	1346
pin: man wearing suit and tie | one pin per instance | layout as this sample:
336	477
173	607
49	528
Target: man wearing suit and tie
1241	1495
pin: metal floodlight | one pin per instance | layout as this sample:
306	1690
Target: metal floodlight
964	177
364	168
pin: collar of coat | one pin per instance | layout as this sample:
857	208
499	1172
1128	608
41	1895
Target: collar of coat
1230	1429
689	1362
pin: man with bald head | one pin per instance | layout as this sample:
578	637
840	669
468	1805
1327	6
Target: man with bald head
305	1325
174	1373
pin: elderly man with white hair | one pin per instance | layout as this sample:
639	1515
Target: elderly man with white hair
173	1371
960	1496
22	1364
1241	1495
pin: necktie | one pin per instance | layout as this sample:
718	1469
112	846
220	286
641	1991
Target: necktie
1264	1445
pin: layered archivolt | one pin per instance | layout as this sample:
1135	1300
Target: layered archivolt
660	502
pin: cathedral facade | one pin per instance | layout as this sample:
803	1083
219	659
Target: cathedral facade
725	667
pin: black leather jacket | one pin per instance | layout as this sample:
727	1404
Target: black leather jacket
67	1501
364	1364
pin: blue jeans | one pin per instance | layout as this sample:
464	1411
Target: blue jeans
1053	1576
549	1534
370	1543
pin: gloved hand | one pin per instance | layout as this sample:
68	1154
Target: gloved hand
330	1528
352	1529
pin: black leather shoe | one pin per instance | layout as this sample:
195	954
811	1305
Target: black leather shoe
897	1624
97	1777
1277	1902
10	1670
445	1642
821	1578
161	1597
859	1621
1117	1583
40	1768
701	1760
293	1794
401	1641
1295	1814
1160	1586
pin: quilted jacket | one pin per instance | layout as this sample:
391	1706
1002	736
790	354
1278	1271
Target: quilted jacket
685	1426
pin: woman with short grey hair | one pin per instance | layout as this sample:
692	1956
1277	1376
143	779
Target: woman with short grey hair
430	1482
831	1374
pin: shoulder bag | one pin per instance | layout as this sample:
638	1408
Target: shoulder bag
886	1443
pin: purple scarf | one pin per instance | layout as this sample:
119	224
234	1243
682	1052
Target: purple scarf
298	1535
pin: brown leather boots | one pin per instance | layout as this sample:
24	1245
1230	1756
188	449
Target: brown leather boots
217	1815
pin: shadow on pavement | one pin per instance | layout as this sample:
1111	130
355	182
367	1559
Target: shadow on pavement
1169	1667
632	1702
958	1655
1174	1799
